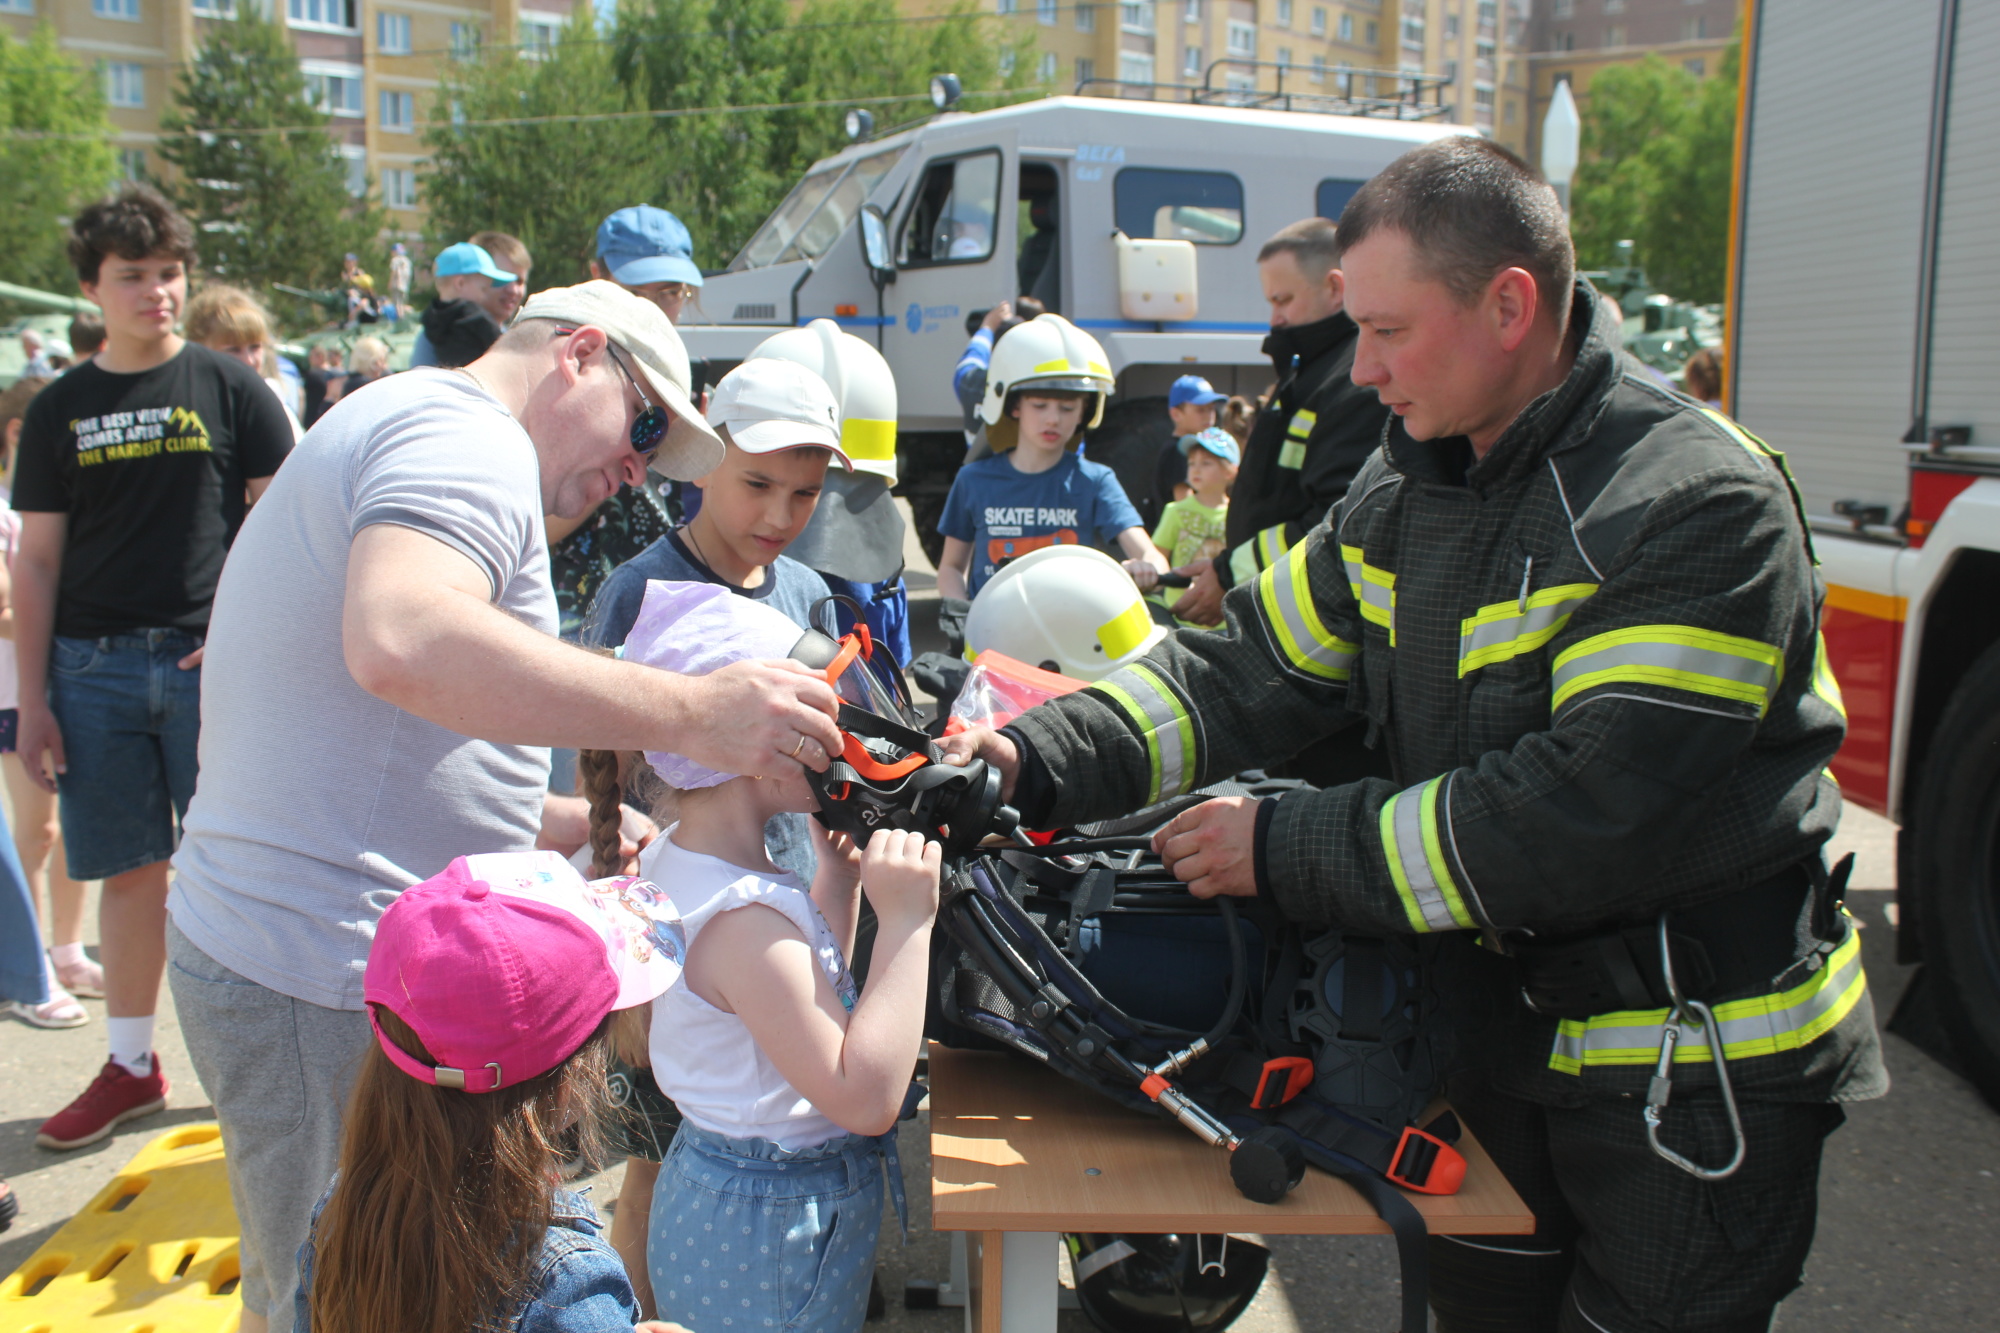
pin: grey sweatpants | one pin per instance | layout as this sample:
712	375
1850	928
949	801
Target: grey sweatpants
279	1071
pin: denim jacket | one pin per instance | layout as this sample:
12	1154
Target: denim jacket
579	1284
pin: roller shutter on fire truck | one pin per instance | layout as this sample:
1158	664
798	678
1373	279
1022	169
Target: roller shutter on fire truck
1865	343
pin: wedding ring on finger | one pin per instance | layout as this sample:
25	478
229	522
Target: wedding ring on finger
803	738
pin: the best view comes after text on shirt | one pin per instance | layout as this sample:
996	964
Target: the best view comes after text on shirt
151	470
1004	512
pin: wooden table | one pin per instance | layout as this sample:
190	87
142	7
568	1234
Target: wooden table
1020	1154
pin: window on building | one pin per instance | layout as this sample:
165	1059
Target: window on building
1243	39
1007	63
1086	70
1563	41
1696	66
952	215
1284	57
116	9
1563	9
399	187
1046	71
1694	29
1347	27
1413	31
357	169
321	13
1193	12
465	39
1319	21
124	83
1205	207
539	32
1045	12
1374	33
1086	18
335	89
17	6
1451	71
1614	6
1003	6
1135	67
1507	111
1191	63
1614	34
1319	69
399	112
1284	13
1451	27
1332	195
1240	81
1489	13
215	9
1482	49
132	163
392	33
1136	17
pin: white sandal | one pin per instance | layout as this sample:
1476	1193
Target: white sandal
84	980
59	1011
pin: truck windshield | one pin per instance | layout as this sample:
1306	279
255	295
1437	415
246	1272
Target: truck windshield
815	213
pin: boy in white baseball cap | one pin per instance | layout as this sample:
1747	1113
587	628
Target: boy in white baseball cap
780	427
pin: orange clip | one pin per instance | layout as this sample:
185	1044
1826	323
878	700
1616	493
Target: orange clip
1426	1163
1298	1075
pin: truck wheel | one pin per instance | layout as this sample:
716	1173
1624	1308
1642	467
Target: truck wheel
1129	441
1958	823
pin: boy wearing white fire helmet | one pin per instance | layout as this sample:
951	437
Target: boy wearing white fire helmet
1047	384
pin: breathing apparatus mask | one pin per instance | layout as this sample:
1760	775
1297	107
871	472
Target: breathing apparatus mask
889	773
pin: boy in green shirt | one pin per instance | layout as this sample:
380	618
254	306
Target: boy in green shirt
1192	529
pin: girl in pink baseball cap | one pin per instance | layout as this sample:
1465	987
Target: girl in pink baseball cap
496	990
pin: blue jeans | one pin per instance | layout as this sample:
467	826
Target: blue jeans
129	719
749	1236
22	974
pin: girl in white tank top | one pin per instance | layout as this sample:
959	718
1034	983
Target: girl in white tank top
789	1081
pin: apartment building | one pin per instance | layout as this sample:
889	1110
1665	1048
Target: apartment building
371	65
1304	47
1575	40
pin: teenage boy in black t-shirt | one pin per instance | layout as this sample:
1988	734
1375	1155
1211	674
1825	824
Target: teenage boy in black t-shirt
134	473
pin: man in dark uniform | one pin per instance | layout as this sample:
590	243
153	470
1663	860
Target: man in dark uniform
1314	434
1580	615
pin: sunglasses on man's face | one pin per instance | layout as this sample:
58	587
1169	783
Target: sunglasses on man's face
650	426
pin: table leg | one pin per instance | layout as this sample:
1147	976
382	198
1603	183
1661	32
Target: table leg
1014	1278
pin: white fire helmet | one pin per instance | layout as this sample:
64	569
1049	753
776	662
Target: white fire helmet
1068	609
1047	352
861	382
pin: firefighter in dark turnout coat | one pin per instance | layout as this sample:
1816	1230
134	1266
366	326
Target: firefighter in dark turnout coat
1584	629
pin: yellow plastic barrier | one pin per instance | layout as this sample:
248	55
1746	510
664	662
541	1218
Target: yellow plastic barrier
154	1252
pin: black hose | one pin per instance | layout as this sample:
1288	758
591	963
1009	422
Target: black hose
1078	846
1239	968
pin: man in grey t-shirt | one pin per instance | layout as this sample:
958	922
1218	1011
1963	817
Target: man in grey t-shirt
381	685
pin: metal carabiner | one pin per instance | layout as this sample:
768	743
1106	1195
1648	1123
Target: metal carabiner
1688	1012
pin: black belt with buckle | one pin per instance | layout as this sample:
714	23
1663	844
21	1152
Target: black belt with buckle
1726	948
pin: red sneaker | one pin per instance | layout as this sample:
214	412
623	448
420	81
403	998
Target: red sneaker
113	1097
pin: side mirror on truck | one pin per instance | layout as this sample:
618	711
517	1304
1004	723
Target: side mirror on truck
875	246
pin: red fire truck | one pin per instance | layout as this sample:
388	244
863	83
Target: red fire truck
1864	341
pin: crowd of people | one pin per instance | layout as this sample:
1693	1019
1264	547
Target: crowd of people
482	759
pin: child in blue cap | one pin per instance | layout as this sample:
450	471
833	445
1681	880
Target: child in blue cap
1192	528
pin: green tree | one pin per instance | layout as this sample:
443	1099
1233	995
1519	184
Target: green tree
549	182
1658	145
256	169
44	179
726	173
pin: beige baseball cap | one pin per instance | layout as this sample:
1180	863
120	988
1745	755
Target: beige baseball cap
644	333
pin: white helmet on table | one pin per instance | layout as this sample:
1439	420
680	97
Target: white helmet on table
1069	609
1047	352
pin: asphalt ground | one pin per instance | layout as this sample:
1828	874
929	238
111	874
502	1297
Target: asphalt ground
1909	1210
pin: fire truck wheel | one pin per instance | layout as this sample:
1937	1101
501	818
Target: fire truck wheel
1958	821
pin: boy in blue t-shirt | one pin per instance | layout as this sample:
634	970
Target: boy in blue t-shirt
1039	493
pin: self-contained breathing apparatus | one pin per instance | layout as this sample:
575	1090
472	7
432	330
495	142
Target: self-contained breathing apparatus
1320	1053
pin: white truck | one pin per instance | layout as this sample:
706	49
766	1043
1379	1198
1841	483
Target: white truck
1864	341
1137	220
